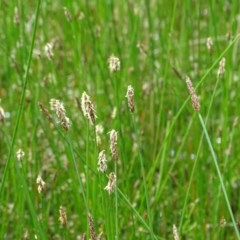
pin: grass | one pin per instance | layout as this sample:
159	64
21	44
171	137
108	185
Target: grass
174	166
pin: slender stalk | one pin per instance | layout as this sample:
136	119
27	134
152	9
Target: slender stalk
115	164
140	158
145	225
219	174
69	142
31	207
20	109
116	201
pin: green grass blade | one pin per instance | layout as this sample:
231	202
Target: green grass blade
215	160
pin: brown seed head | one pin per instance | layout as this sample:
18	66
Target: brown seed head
46	112
67	14
62	216
193	95
129	96
113	144
88	108
58	107
91	227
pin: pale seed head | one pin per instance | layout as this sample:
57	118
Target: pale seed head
40	184
111	183
223	222
20	154
102	162
175	232
2	115
58	107
114	63
209	44
221	68
48	50
99	130
88	108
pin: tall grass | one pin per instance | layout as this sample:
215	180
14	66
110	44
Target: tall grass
165	174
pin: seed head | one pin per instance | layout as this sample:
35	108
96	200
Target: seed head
16	17
221	68
142	48
114	63
193	95
40	184
223	222
62	216
20	154
87	108
113	144
102	162
2	115
209	44
99	130
114	113
48	50
67	14
46	112
129	96
111	183
91	227
26	235
175	232
58	107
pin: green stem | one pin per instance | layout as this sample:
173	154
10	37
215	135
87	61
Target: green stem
116	201
20	109
145	225
219	174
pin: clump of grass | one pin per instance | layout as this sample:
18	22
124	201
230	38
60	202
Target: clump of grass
155	171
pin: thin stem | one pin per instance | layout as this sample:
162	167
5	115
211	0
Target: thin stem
116	201
198	152
115	164
140	158
20	109
136	212
219	174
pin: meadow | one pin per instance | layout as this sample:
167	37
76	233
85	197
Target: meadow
119	119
